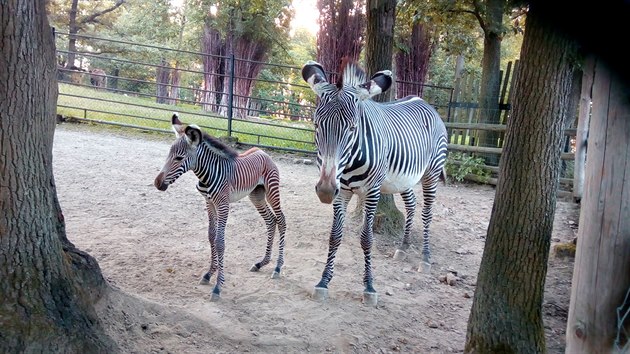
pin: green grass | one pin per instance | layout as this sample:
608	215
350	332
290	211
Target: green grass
143	112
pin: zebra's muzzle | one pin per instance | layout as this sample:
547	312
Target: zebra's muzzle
326	192
159	182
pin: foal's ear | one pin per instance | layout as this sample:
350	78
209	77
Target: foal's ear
379	82
178	126
193	135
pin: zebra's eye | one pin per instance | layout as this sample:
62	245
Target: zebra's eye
315	126
178	158
353	128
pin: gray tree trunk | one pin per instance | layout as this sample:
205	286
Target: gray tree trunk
48	287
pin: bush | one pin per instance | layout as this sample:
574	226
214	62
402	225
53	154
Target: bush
458	165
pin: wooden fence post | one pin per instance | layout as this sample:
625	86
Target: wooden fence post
601	275
584	118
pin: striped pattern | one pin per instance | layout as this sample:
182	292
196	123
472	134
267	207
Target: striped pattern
224	177
369	148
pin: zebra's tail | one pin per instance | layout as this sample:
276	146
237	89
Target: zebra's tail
443	175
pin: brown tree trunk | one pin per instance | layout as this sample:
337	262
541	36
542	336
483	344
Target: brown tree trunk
72	30
381	17
600	277
48	286
162	79
506	314
341	28
488	112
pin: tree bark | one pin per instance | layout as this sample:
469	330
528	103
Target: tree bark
48	287
600	276
381	17
506	314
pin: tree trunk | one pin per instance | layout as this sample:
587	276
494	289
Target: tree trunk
162	79
506	314
48	287
381	17
488	111
600	276
72	30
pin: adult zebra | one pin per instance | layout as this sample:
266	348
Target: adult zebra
369	148
226	176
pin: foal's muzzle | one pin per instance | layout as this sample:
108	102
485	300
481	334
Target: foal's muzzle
159	182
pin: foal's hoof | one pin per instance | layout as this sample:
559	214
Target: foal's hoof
215	297
275	275
425	267
254	268
204	281
370	299
400	255
320	294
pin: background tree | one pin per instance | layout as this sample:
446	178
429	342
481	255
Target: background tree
341	32
506	314
48	286
76	17
379	47
249	30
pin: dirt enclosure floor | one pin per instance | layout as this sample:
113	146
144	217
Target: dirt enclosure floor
152	248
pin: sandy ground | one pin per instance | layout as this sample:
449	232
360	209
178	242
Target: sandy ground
152	247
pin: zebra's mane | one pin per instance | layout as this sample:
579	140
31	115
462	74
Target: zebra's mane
352	74
219	147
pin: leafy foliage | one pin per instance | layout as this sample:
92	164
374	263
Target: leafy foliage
458	165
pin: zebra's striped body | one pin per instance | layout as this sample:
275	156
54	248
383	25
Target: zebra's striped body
224	177
369	148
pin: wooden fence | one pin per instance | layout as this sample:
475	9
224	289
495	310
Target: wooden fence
464	130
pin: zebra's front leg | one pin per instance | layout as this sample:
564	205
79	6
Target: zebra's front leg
222	209
336	233
212	230
370	296
409	198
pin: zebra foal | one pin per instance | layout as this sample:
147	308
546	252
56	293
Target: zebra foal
226	176
369	148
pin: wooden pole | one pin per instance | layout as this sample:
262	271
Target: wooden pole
581	138
601	274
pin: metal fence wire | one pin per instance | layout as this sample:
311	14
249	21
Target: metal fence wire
137	85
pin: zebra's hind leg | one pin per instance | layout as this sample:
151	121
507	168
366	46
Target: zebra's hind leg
409	198
340	205
429	188
212	230
273	197
257	196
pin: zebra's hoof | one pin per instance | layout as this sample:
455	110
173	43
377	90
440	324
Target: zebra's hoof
254	268
204	281
425	267
370	299
320	294
215	297
275	275
400	255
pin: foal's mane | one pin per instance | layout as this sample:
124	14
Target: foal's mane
220	147
351	73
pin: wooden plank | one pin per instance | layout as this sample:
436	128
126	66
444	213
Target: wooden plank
475	126
478	149
584	119
600	276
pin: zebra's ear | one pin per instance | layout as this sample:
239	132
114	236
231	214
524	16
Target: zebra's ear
379	83
313	74
193	135
178	126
